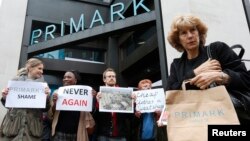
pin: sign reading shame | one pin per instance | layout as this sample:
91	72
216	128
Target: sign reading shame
75	98
23	94
150	100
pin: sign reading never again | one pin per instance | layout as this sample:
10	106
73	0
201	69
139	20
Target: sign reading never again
75	98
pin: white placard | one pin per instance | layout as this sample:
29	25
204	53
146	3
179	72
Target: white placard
150	100
75	98
26	94
116	99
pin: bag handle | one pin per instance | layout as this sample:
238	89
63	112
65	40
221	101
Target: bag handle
241	53
209	52
242	50
183	86
210	56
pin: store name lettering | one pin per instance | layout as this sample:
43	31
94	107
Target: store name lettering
97	18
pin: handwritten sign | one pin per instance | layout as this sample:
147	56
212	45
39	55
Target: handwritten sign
150	100
75	98
23	94
116	99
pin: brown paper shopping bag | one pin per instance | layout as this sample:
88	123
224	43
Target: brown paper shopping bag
190	111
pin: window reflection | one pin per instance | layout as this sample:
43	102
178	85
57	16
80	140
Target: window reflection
84	55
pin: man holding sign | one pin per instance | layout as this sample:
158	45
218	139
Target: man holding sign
70	103
111	126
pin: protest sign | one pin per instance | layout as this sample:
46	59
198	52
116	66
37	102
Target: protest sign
116	99
75	98
26	94
150	100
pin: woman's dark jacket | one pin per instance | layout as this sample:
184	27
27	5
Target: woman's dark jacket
238	86
229	60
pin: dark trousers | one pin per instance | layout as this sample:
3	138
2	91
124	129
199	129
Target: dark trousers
149	140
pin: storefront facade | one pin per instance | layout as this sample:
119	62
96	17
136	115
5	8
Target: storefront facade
92	35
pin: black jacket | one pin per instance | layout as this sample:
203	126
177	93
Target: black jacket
230	62
104	123
238	86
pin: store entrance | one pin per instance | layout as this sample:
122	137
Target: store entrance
147	67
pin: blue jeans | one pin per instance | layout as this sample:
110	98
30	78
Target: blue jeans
104	138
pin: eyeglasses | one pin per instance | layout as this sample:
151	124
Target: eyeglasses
109	76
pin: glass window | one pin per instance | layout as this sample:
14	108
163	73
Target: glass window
83	52
84	55
57	54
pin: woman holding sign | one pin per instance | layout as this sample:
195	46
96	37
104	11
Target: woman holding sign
25	124
70	125
147	128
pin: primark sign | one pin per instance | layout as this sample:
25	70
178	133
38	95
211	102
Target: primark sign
75	26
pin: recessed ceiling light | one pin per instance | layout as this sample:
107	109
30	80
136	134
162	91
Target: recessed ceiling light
141	43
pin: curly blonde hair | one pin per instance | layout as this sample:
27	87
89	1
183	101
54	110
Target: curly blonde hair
184	22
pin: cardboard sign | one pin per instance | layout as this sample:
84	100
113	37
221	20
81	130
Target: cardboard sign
150	100
75	98
26	94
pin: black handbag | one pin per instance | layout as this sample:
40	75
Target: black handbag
241	101
240	98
